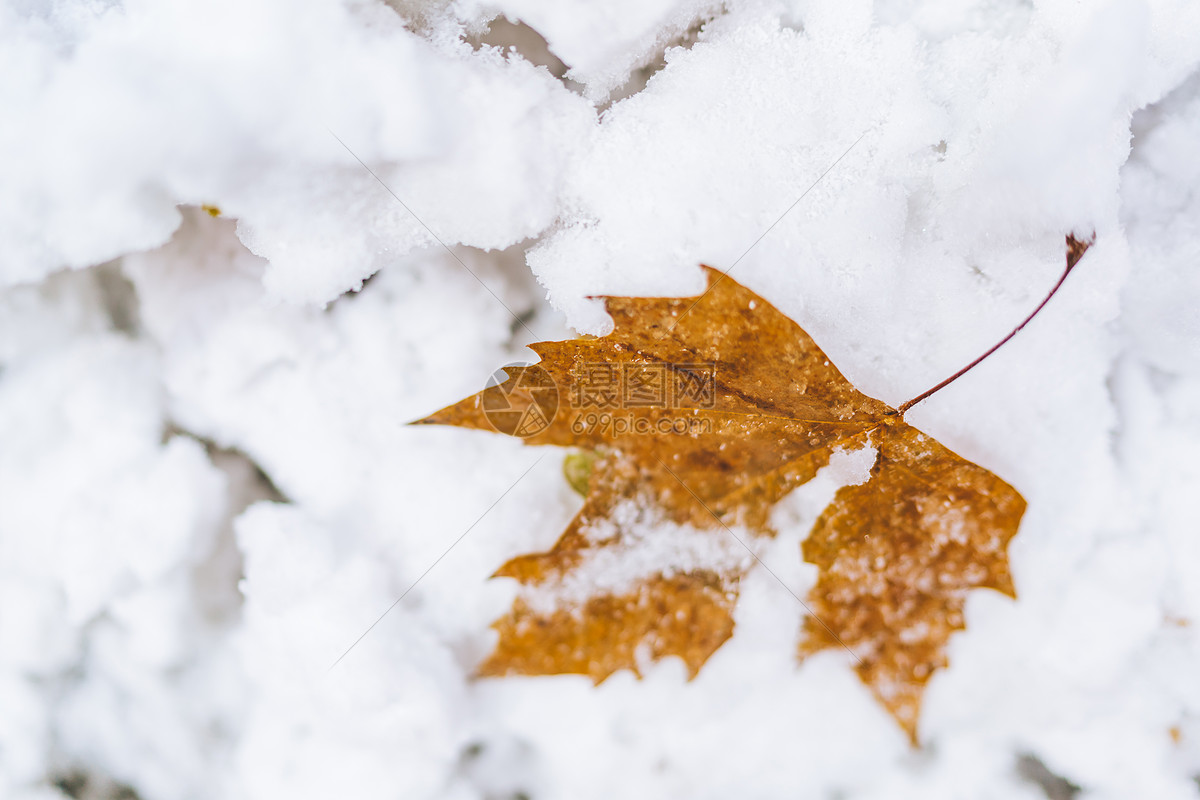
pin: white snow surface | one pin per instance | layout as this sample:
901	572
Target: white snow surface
227	567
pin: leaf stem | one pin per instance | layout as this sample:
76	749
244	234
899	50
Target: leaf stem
1075	250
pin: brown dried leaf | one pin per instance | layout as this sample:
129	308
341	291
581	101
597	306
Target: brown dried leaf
896	554
688	615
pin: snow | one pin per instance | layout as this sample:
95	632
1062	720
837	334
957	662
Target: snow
635	33
208	493
649	546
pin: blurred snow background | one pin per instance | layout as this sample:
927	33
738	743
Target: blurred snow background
207	492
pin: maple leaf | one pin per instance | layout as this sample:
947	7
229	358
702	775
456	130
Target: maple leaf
695	415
